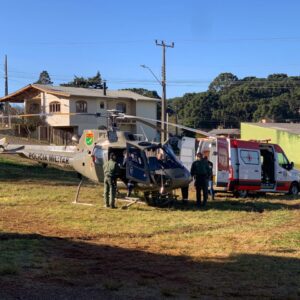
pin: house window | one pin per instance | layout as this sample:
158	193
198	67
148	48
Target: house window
34	107
101	105
54	107
81	107
121	107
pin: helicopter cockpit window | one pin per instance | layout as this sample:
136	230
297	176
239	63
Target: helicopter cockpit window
112	136
135	157
158	158
154	157
168	149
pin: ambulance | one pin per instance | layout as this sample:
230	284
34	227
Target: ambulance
244	167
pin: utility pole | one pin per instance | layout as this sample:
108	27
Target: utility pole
6	106
6	75
164	133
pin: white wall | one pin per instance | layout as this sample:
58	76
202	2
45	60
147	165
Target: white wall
88	122
57	120
93	106
147	109
141	108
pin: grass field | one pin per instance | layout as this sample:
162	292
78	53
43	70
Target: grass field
52	249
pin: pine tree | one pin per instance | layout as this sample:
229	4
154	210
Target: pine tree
90	82
44	78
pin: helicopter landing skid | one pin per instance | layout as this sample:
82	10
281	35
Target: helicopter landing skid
160	200
132	201
77	196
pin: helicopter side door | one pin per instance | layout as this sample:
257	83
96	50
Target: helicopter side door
98	159
136	165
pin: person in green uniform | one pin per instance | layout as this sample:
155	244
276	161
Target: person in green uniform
200	171
110	169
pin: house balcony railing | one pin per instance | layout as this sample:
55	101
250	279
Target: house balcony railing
126	122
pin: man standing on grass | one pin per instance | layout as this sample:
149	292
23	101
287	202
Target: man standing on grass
110	169
210	177
200	172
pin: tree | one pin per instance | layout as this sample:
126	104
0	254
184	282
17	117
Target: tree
44	78
144	92
224	80
230	101
31	124
96	81
89	82
279	76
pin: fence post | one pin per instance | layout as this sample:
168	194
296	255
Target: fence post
50	132
39	133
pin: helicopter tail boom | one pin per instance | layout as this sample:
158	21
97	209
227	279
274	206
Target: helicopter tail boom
60	155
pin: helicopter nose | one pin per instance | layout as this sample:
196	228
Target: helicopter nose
182	181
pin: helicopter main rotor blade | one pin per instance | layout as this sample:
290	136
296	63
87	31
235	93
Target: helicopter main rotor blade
118	115
98	115
202	132
142	121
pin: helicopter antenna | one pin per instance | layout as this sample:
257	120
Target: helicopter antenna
113	115
144	133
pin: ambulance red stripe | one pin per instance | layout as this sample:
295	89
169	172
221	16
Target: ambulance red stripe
244	144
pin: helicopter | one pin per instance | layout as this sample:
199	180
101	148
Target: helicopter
151	167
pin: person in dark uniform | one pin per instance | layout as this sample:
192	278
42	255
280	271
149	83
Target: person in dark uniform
210	177
200	172
129	183
185	194
110	169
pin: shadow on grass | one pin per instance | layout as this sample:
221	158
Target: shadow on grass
247	205
17	171
55	268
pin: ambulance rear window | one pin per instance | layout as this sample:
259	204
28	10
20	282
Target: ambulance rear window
250	157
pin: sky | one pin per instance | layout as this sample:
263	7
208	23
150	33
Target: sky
70	37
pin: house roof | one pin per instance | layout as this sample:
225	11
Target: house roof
225	131
74	91
288	127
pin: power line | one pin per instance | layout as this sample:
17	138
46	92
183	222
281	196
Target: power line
257	81
74	43
183	40
230	40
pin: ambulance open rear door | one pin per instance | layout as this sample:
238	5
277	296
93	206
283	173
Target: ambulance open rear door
249	165
222	163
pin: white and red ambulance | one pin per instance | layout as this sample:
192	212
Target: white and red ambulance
249	166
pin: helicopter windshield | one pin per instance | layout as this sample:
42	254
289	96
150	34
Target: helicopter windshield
161	158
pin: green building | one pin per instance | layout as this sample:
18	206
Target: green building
287	135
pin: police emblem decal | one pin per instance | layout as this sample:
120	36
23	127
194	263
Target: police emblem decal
89	138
